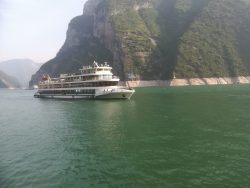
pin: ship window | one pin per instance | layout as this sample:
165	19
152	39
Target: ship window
107	77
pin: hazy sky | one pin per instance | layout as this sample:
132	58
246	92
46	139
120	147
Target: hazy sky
35	29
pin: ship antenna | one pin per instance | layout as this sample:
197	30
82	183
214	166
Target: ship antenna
95	64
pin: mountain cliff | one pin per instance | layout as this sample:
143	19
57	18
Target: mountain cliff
7	81
21	69
156	39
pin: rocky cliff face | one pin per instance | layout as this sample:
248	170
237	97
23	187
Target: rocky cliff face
81	47
156	38
94	36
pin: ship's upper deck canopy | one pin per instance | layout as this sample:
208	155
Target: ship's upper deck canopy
96	68
95	65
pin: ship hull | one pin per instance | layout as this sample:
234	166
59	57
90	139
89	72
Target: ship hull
126	94
99	94
52	96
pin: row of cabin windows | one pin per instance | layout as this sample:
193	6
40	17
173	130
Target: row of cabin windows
86	84
90	71
93	77
92	84
70	92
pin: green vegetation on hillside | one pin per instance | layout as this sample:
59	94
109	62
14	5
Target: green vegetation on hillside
157	38
195	38
210	47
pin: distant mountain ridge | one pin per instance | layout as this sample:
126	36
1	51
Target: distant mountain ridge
21	69
7	81
156	39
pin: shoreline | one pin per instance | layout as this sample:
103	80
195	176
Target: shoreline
188	82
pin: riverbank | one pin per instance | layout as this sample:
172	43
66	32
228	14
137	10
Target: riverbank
187	82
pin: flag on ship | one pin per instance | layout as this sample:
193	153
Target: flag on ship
45	77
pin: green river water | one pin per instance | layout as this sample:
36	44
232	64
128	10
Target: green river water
162	137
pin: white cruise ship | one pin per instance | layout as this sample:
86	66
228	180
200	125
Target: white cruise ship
92	82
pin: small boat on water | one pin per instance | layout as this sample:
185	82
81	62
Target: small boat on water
91	82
